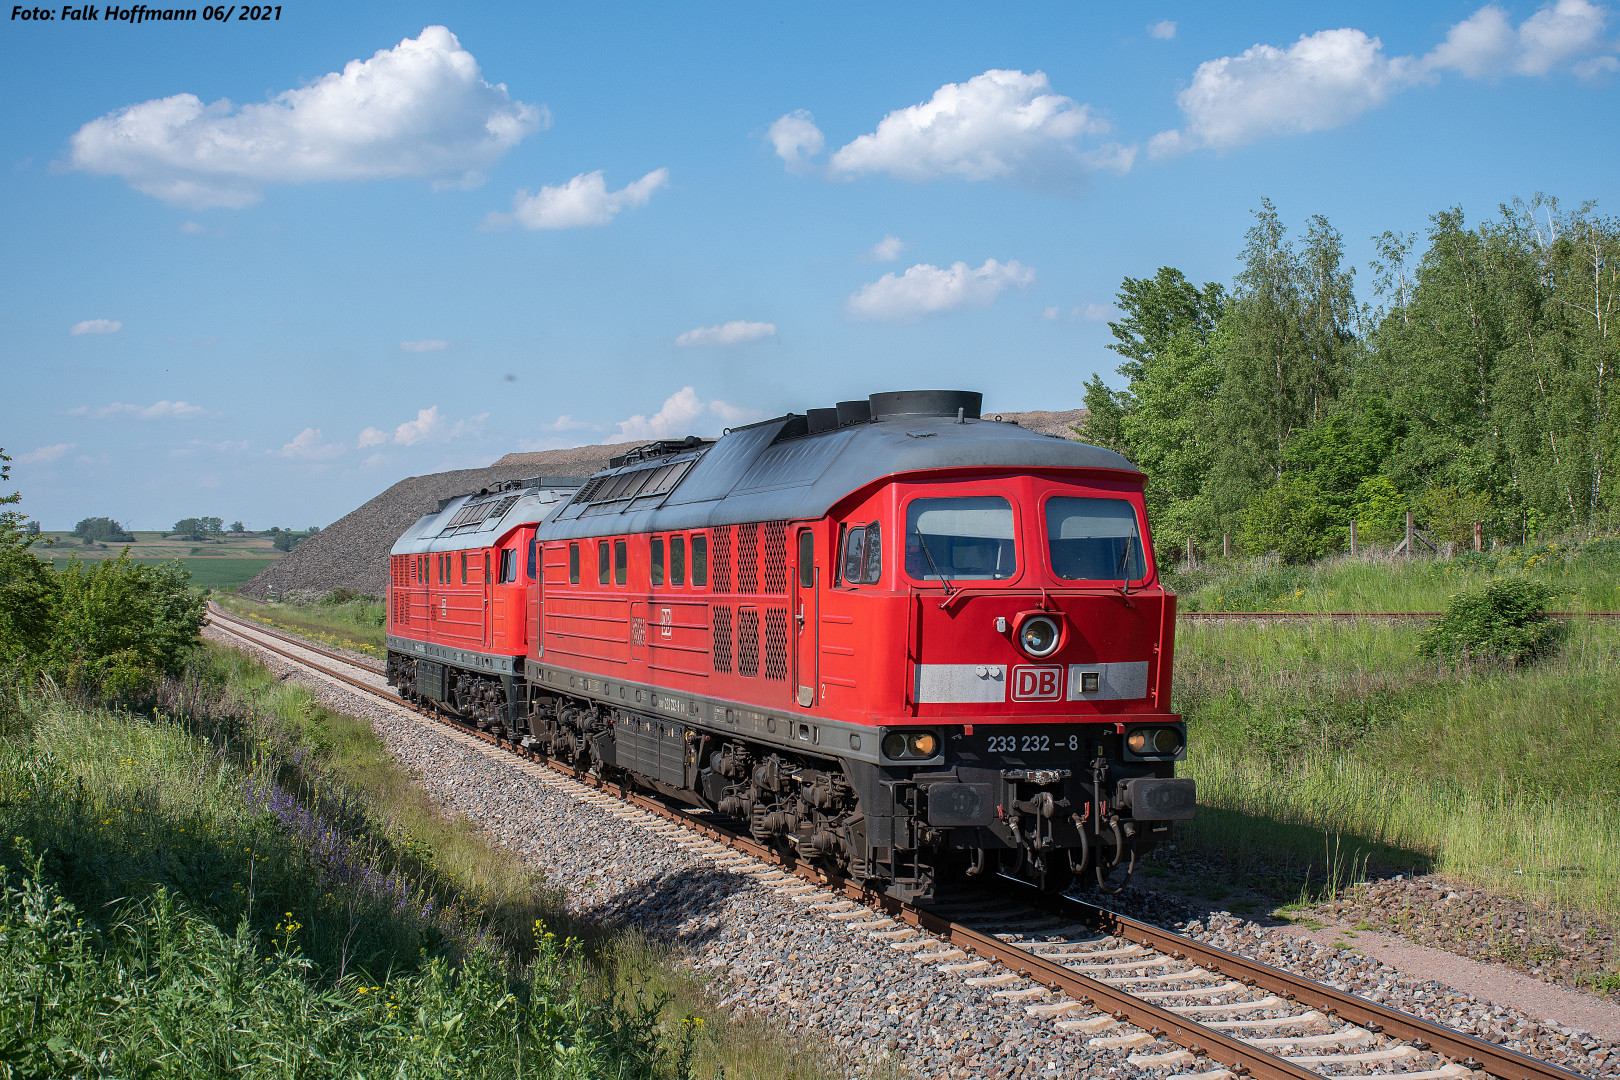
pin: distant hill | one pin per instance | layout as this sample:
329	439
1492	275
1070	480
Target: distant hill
352	552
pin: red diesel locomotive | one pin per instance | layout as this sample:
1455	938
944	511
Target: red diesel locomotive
893	636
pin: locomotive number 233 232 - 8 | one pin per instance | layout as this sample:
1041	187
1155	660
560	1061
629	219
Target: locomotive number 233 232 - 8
1053	741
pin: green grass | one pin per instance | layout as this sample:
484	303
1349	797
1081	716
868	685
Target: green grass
1584	575
240	882
213	572
1326	743
356	624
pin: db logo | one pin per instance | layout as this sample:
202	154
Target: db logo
1037	683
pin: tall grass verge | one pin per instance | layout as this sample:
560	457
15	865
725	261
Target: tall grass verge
357	624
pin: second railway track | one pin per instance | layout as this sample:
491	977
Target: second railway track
1184	1009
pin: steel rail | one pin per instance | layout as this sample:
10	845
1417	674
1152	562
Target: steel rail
1202	1041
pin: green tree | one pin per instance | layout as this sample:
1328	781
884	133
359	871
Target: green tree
27	585
1289	517
200	528
102	530
237	526
116	622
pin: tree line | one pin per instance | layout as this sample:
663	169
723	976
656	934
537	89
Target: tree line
1478	386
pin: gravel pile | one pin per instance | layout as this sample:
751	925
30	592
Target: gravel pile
826	979
352	552
1567	949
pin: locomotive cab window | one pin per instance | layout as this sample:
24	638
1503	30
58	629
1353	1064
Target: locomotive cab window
621	561
657	565
677	560
700	560
534	557
960	538
464	568
508	566
807	559
1094	539
604	565
573	564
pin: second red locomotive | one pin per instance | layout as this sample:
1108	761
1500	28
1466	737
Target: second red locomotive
893	636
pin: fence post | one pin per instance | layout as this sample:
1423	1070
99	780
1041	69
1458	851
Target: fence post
1478	538
1226	545
1189	553
1409	534
1352	538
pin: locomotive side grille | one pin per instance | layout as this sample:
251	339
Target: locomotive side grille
748	558
776	639
748	642
721	617
720	559
775	556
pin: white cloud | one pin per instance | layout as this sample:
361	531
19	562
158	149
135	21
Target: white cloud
731	333
1487	46
1596	71
421	108
1050	313
796	140
46	454
1101	313
1328	78
887	249
371	437
565	422
425	345
95	326
307	445
996	126
1164	29
191	228
584	200
158	410
427	425
684	413
925	290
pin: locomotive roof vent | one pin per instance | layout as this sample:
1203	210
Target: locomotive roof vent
854	412
902	403
821	420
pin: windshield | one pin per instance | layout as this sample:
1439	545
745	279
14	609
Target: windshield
968	538
1094	540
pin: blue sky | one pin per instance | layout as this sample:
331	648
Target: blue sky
263	270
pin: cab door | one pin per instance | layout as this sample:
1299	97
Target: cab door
532	584
806	619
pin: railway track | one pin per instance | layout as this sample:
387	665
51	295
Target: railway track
1350	616
1180	1007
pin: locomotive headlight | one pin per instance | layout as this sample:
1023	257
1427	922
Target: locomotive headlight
1039	636
1154	742
910	745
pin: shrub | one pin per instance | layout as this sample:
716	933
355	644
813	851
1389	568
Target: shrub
117	623
102	530
1290	518
1503	621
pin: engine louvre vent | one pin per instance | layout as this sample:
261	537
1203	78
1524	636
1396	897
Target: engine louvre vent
748	642
775	557
748	558
720	559
720	618
776	644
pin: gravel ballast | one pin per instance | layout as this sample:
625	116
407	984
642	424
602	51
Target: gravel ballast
821	976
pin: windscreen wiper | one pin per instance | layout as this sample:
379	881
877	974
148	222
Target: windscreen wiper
1125	581
949	588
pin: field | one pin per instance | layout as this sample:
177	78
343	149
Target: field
224	564
1334	743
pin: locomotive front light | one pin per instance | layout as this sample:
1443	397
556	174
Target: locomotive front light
1137	741
1154	742
1039	636
910	745
1167	741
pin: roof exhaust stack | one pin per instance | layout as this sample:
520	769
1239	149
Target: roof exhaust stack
958	404
853	412
821	420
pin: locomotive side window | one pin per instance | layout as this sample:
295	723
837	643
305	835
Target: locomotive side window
874	555
807	559
464	568
534	557
508	565
621	561
677	560
573	564
854	564
1094	540
700	560
964	537
488	559
658	560
604	566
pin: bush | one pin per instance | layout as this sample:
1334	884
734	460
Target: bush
1290	518
102	530
117	623
1503	621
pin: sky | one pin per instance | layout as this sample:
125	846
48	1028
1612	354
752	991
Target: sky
260	270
